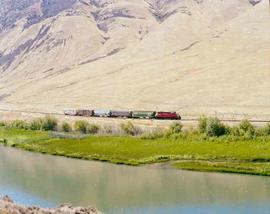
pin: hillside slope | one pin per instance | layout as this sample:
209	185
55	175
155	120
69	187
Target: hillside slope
194	56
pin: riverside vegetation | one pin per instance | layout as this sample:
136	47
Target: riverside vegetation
212	146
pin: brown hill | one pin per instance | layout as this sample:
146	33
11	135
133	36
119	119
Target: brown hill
194	56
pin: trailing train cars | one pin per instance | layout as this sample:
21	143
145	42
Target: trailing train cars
144	114
161	115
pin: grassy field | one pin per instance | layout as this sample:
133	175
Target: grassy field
191	153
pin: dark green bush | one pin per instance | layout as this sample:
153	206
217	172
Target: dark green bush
129	129
66	127
2	123
214	127
49	123
92	129
81	126
36	124
175	128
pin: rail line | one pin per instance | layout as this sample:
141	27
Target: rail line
183	119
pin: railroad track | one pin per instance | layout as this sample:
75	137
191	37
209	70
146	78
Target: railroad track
183	119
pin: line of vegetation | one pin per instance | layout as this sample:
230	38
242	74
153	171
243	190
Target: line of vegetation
212	146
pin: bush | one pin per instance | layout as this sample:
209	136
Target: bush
214	127
202	124
49	123
36	124
81	126
175	128
264	131
2	123
18	124
66	127
93	129
246	129
130	129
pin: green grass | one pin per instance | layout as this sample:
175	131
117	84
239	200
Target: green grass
226	167
205	154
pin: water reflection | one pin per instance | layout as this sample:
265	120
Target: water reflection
48	181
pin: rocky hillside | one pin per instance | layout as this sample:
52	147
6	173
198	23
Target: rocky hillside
196	56
8	206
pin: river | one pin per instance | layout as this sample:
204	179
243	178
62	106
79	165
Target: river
47	181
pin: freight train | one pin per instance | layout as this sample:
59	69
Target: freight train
124	114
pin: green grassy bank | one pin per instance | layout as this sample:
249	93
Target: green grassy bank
191	152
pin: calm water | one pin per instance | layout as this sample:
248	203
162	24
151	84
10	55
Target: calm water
47	181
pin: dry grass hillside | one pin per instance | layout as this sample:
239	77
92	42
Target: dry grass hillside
193	56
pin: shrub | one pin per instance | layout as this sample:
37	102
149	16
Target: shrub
2	123
246	128
93	129
66	127
152	135
202	124
81	126
18	124
264	131
130	129
175	128
214	127
49	123
36	124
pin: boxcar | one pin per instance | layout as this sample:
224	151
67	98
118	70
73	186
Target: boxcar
85	113
143	114
70	112
126	114
102	113
168	115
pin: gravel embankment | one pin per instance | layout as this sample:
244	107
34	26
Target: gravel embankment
7	206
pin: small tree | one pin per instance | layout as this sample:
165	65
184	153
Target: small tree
202	124
81	126
92	129
66	127
246	128
36	124
214	127
130	129
175	128
49	123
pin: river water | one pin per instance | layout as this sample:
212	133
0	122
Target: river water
47	181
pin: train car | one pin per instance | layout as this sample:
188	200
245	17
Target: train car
70	112
167	115
143	114
85	113
125	114
102	113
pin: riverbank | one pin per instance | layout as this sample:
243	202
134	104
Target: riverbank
8	206
195	152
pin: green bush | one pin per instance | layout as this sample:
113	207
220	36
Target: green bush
49	123
214	127
36	124
202	124
2	123
18	124
246	129
81	126
66	127
130	129
264	131
175	128
92	129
